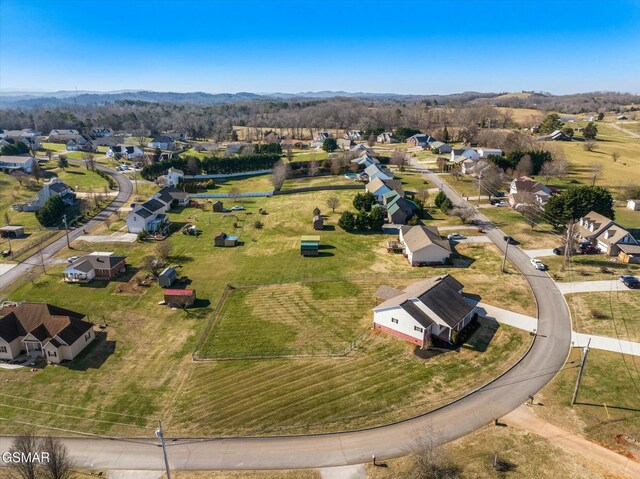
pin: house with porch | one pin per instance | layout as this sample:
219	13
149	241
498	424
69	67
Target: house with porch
9	163
163	142
427	309
128	152
525	190
423	245
97	265
43	330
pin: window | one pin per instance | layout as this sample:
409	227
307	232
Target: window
394	320
3	349
418	328
52	354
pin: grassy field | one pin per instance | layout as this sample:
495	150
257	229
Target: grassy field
124	381
77	177
309	155
413	181
609	378
304	182
244	184
513	224
626	217
589	268
613	314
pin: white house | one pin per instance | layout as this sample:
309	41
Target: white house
366	161
27	136
422	245
163	142
101	132
468	153
427	309
150	216
522	187
486	152
633	205
10	163
173	177
128	152
320	136
80	143
43	330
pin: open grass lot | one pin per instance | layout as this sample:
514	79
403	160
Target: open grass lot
76	176
245	184
615	314
626	217
609	378
412	181
513	224
589	268
141	368
309	155
329	180
291	319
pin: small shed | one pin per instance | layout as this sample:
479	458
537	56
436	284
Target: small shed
218	207
219	239
167	277
309	245
318	222
180	297
12	231
231	241
633	205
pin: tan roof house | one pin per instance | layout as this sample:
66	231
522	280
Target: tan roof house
422	245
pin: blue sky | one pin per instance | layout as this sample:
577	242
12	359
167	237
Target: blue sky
397	46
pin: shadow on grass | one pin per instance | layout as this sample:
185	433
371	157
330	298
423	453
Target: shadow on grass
94	284
326	246
94	355
329	228
481	333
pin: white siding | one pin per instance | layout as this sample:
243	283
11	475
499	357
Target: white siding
13	348
406	323
428	254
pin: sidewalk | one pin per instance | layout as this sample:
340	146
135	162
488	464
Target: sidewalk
526	419
580	340
536	253
503	316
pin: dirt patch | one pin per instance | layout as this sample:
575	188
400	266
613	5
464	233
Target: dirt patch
136	286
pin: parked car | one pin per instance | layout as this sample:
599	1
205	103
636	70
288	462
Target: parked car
537	264
509	239
630	282
71	259
588	248
499	194
558	251
494	201
237	208
455	236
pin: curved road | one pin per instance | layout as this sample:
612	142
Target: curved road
545	358
125	190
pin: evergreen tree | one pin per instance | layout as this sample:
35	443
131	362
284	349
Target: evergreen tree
347	221
590	131
330	144
445	135
551	123
51	213
577	201
376	219
440	197
364	201
446	205
362	221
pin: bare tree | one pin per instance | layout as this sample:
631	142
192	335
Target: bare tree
615	156
547	171
60	465
192	166
422	196
140	137
279	174
163	249
89	161
25	444
333	203
399	159
20	176
524	167
336	166
7	218
234	194
595	169
36	171
589	145
465	214
561	168
527	205
314	168
430	460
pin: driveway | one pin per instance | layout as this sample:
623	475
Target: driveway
594	286
539	253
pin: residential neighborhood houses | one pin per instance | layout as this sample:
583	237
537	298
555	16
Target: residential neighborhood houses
9	163
605	234
524	190
150	216
127	152
53	187
96	265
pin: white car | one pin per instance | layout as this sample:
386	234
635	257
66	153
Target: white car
455	236
537	264
237	208
71	259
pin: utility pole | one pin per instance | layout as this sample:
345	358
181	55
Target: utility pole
504	260
585	351
479	189
44	271
160	435
66	230
135	180
568	246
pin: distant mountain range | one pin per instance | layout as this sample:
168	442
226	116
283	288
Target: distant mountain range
26	98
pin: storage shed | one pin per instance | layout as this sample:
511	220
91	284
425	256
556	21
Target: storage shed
180	297
12	231
633	205
167	277
218	207
309	245
629	253
220	239
231	241
318	222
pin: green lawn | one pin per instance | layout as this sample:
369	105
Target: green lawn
77	177
413	181
513	224
141	368
305	182
609	378
626	217
245	184
613	314
309	155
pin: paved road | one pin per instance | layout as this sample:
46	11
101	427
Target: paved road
125	190
545	358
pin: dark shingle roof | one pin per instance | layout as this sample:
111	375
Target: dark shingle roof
152	205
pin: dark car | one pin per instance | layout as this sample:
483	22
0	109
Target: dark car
499	194
630	282
494	202
558	251
509	239
588	249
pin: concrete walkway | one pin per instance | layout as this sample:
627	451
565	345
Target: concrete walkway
525	418
503	316
456	228
580	340
114	238
5	267
356	471
537	253
593	286
474	239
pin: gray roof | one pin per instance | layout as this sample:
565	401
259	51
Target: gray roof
94	261
162	139
15	159
152	205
